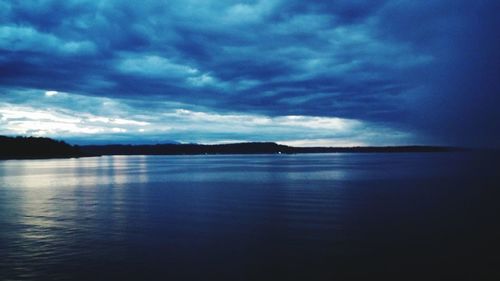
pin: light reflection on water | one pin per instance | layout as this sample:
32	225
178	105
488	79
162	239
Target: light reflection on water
90	171
183	217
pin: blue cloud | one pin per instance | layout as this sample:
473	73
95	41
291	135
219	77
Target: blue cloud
414	67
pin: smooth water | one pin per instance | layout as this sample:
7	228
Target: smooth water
428	216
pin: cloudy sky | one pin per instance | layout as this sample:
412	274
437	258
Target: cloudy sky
344	72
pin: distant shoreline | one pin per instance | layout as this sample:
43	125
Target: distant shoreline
46	148
247	148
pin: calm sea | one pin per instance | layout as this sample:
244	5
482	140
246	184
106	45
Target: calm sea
430	216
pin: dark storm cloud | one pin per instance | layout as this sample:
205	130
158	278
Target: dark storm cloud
456	97
423	67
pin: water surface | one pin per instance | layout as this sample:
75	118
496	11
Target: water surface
415	216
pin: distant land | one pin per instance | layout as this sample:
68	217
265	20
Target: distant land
36	148
39	148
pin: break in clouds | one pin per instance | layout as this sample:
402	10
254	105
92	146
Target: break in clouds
297	72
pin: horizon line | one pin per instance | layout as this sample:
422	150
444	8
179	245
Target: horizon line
248	142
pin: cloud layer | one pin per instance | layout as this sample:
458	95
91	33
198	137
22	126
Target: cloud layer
427	70
58	114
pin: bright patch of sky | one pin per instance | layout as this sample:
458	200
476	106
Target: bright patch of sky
102	120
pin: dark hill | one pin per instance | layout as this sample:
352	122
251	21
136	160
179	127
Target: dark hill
32	147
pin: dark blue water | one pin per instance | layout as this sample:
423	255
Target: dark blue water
272	217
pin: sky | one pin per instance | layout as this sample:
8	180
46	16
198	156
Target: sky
304	73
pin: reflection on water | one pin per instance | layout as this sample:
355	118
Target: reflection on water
304	217
90	171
